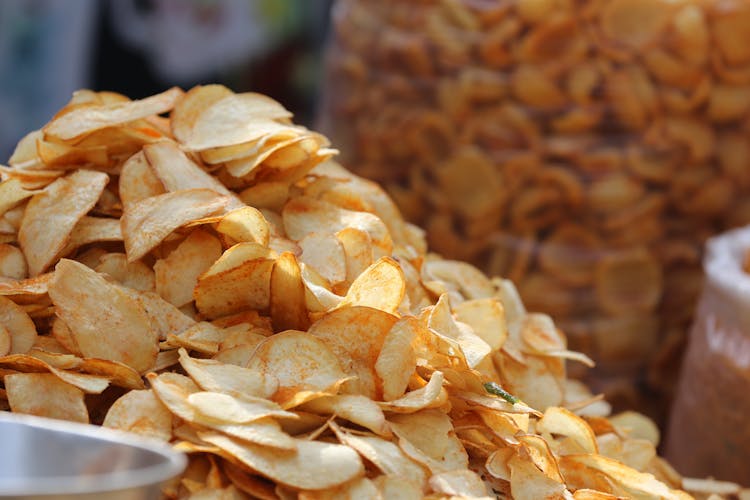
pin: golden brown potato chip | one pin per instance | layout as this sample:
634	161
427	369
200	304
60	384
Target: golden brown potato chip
135	275
358	410
51	216
105	321
137	180
380	286
12	193
325	254
236	381
45	395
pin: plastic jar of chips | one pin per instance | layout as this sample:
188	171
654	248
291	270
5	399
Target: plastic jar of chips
584	149
708	432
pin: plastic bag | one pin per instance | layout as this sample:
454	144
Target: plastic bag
708	431
585	150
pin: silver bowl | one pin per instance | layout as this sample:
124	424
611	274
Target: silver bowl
55	460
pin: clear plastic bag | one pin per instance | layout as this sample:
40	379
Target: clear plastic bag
584	149
709	432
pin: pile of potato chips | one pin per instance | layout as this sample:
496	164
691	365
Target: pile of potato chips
583	149
210	278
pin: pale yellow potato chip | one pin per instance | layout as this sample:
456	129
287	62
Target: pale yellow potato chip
177	274
429	396
397	358
105	321
235	119
381	286
173	391
486	317
45	395
84	119
51	216
637	425
93	229
147	223
136	275
250	484
19	325
246	224
191	105
560	421
631	481
12	262
177	172
117	373
439	450
441	321
315	465
398	488
138	181
527	482
237	381
225	408
12	193
355	335
142	413
304	215
239	280
324	253
354	408
463	483
358	250
300	362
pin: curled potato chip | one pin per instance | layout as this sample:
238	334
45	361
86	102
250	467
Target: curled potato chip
278	357
325	254
85	119
356	335
380	286
21	331
314	465
144	226
397	358
51	216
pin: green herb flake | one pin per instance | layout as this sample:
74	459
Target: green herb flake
495	389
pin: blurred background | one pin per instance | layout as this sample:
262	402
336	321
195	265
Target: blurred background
49	48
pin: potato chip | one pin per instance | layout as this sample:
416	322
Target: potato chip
137	180
440	450
177	172
287	295
236	381
84	119
239	280
225	408
356	488
459	483
562	422
325	254
177	274
173	391
355	335
18	325
135	275
45	395
380	286
397	358
105	321
527	482
12	193
143	224
384	454
142	413
314	465
429	396
300	362
356	409
51	216
5	340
